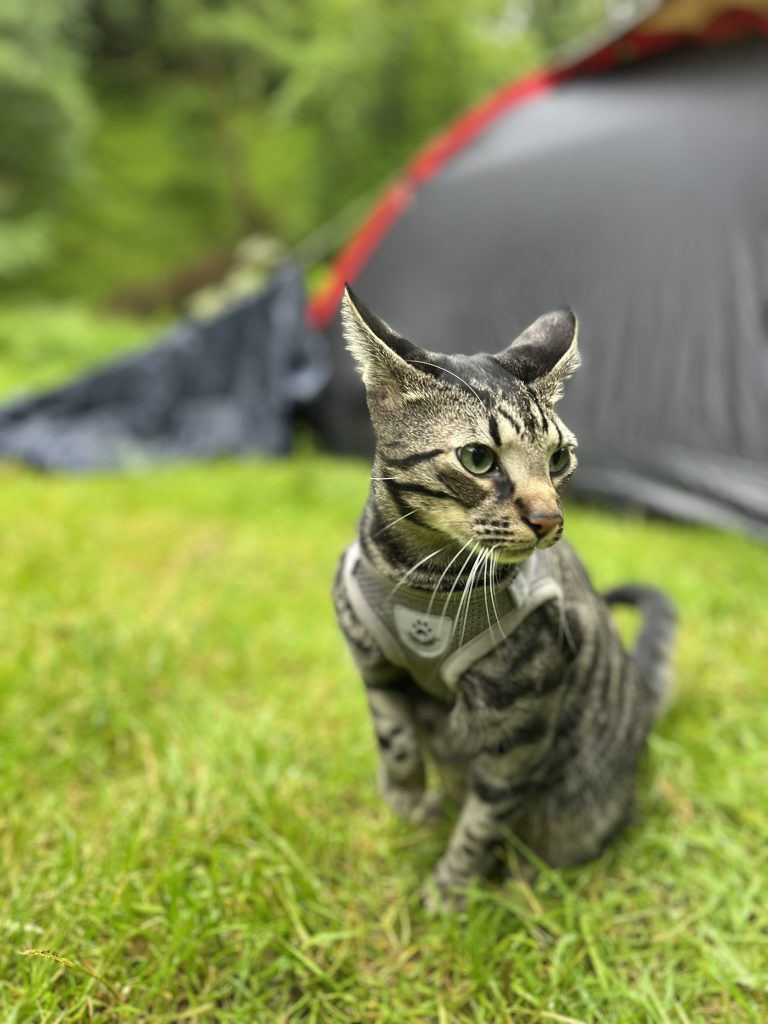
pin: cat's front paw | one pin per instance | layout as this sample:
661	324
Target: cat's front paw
429	808
402	799
404	802
444	893
417	807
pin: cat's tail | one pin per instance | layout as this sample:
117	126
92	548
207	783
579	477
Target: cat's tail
653	648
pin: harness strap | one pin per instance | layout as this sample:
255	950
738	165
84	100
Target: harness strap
456	664
425	644
390	648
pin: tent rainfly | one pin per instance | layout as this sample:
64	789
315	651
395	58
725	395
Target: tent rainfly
224	386
631	185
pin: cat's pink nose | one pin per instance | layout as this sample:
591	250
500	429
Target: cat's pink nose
543	523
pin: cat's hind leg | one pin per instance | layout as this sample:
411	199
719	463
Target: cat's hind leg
564	825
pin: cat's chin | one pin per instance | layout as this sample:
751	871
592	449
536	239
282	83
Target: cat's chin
514	556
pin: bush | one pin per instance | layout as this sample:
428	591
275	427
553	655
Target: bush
44	121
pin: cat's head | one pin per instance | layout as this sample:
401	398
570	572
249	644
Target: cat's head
471	443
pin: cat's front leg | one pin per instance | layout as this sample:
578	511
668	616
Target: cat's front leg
469	854
495	799
402	776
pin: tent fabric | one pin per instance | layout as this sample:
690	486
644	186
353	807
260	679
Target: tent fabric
674	23
222	387
638	196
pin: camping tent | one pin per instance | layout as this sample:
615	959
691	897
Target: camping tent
631	185
222	386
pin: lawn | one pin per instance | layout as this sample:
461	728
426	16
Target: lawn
189	825
45	344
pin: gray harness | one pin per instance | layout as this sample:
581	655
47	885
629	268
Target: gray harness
436	638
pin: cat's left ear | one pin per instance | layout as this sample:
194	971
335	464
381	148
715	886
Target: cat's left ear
546	354
389	364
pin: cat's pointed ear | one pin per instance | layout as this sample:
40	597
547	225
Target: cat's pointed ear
384	357
546	354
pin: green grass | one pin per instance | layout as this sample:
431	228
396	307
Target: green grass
188	814
43	344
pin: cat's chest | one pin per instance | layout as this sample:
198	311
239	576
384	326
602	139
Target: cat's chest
438	638
531	663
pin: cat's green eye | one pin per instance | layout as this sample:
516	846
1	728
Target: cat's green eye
477	458
559	461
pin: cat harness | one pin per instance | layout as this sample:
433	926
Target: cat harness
437	637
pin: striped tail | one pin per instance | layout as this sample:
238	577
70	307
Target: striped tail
653	649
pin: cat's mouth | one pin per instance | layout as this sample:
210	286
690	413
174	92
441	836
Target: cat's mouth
508	551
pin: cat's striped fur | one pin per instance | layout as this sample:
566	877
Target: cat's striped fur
542	736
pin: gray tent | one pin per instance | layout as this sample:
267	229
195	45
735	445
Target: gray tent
632	186
223	386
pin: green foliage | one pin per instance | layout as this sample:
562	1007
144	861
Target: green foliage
560	22
44	117
412	67
189	812
218	119
155	196
43	344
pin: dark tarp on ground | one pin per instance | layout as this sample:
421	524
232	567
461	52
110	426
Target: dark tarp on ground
639	197
221	387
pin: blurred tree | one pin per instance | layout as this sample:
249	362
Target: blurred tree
44	119
220	117
120	28
557	22
371	82
316	101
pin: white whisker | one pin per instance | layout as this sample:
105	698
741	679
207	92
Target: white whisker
466	595
458	577
486	585
395	522
458	610
436	367
442	575
413	568
479	559
493	593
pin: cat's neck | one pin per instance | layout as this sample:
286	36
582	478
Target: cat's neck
404	549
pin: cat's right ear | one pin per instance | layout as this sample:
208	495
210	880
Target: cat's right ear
546	354
382	355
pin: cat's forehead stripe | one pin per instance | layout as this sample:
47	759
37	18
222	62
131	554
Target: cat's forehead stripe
511	419
494	428
407	461
524	422
537	406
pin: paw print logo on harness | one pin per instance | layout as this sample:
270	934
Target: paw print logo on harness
427	635
422	633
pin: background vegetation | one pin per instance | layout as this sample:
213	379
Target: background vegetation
141	139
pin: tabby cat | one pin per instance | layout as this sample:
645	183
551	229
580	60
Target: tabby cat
483	647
